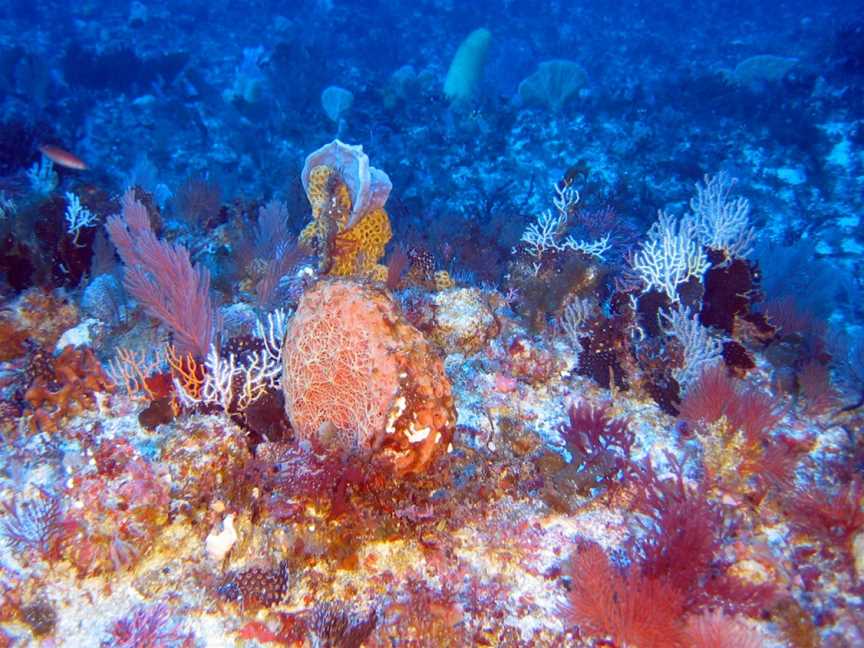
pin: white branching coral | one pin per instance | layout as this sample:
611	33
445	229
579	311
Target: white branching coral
543	235
546	233
722	223
596	248
699	346
671	255
43	179
272	333
77	216
566	197
234	385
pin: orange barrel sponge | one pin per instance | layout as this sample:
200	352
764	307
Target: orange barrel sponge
357	375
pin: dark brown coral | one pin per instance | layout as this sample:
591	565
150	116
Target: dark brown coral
256	588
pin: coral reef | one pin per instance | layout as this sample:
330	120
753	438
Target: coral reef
463	320
606	389
118	508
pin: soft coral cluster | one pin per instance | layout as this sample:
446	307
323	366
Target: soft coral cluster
599	445
676	572
833	518
735	422
631	608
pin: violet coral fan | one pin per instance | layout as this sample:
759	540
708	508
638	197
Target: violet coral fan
162	278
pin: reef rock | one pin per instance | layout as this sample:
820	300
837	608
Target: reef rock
464	321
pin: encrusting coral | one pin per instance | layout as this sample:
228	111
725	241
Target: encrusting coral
356	374
349	227
64	387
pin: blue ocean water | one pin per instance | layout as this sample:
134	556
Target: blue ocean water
634	192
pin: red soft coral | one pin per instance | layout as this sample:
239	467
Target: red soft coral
831	518
599	444
716	394
715	630
633	609
706	399
682	537
754	412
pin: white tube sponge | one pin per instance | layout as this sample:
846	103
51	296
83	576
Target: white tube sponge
369	187
217	545
467	66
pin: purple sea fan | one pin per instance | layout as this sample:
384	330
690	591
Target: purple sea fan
34	525
148	627
161	277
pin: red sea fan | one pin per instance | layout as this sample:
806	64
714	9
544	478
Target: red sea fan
632	609
744	597
754	412
715	394
716	630
814	384
682	538
775	467
832	518
706	399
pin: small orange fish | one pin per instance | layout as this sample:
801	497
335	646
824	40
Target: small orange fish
62	157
